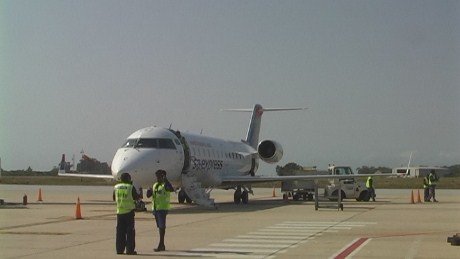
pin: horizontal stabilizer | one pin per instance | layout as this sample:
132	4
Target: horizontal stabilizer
265	109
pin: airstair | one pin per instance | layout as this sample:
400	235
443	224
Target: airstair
194	190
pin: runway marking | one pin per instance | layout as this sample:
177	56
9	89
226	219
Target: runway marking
283	234
352	248
272	245
307	228
250	240
254	237
271	240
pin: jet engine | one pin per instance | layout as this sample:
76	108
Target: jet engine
270	151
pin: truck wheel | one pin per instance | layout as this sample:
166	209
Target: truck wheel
364	196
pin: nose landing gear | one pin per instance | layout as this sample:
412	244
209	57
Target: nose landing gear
240	196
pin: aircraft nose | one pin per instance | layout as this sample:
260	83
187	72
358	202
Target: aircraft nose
123	162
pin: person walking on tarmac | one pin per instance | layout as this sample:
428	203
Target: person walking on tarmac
125	197
161	192
426	188
370	187
432	180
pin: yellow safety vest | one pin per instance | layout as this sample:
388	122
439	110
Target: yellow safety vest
426	182
124	198
369	182
160	197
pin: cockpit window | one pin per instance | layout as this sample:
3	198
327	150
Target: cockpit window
150	143
147	143
166	143
129	143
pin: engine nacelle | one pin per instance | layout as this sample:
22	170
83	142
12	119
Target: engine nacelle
270	151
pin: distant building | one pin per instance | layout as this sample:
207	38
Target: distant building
419	171
92	166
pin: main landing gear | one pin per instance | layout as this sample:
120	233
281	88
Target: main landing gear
183	197
240	196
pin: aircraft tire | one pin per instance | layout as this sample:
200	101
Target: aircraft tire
181	196
245	197
237	197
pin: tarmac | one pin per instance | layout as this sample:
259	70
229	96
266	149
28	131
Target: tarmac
267	227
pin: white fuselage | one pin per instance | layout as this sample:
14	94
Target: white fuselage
150	149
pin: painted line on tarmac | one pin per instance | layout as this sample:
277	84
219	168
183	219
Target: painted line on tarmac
252	240
271	240
352	248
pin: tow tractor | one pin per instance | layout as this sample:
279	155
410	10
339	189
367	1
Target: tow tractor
351	188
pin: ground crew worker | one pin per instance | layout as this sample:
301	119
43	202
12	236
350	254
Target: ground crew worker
370	187
432	179
426	189
161	192
125	196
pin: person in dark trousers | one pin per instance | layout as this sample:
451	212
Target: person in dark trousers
125	196
370	187
432	180
426	189
161	192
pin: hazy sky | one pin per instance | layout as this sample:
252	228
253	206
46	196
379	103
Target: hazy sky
381	79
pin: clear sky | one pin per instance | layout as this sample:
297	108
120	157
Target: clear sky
381	79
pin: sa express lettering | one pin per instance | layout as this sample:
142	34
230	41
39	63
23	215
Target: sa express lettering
206	164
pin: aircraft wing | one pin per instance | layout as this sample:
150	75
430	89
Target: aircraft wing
99	176
261	179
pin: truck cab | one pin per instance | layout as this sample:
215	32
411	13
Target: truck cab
350	188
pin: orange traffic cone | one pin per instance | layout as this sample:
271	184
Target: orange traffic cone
40	195
273	193
412	197
78	210
418	198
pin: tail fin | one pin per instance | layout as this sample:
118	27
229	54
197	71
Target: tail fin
408	165
62	165
252	137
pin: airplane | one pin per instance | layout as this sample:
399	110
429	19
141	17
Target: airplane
196	164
